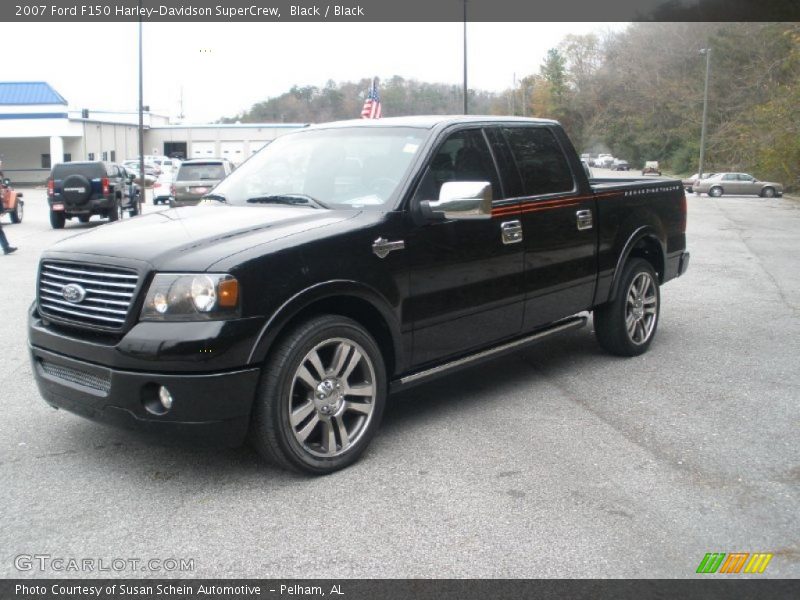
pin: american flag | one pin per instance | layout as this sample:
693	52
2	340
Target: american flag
372	104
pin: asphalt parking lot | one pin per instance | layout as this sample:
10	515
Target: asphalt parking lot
558	461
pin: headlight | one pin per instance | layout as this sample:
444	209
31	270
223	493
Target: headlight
191	297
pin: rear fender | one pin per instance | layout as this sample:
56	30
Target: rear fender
647	236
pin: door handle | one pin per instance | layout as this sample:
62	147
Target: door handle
584	219
511	232
381	247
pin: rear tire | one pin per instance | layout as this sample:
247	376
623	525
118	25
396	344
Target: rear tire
57	219
115	212
321	396
84	218
627	325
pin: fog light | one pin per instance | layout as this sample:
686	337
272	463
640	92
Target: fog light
165	397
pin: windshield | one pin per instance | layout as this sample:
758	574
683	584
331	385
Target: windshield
354	167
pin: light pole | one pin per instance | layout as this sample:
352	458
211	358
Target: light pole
707	52
141	107
466	109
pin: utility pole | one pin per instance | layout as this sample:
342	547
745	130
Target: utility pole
707	52
466	107
514	94
141	109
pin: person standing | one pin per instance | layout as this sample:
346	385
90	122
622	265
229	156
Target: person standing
7	248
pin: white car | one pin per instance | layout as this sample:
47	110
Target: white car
162	164
162	188
604	161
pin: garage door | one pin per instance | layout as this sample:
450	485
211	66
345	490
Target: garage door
203	150
233	151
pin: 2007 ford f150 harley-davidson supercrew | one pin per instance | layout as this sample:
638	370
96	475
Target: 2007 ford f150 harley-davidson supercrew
342	262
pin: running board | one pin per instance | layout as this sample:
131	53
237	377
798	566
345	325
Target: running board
466	361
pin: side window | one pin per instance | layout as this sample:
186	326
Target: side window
464	156
541	162
730	177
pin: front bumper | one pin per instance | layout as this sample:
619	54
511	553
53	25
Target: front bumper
212	406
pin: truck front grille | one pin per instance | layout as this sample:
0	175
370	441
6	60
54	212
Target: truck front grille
97	296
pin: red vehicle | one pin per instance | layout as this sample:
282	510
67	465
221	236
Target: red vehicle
10	200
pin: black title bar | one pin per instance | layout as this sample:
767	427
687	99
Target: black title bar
399	10
701	588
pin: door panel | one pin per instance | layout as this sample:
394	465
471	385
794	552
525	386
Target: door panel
465	283
559	229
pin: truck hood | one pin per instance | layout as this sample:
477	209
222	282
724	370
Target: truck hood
193	238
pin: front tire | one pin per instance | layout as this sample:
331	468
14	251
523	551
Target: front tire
321	396
17	214
627	325
768	192
715	192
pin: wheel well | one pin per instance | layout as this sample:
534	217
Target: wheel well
358	310
650	249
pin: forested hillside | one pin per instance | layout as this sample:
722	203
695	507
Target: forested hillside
637	93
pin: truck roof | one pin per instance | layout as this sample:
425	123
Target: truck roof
429	121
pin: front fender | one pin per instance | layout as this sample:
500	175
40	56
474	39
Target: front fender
338	289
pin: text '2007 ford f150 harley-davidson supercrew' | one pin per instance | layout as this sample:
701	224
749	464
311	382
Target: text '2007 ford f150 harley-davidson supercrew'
342	262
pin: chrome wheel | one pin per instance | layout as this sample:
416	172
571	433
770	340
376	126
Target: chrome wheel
641	308
332	397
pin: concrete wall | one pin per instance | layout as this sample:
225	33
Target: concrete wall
22	159
22	154
108	137
252	137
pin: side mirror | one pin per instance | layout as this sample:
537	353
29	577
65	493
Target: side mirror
461	200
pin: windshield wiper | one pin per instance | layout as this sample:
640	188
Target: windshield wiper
292	199
217	197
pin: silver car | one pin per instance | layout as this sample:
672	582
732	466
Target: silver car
737	184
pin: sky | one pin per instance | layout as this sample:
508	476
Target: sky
222	69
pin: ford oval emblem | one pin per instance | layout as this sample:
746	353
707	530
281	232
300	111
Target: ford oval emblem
74	293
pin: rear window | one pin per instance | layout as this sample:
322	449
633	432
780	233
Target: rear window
201	171
540	160
88	170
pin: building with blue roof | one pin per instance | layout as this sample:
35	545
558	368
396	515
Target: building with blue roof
38	129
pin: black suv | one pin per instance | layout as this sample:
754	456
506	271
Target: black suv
83	189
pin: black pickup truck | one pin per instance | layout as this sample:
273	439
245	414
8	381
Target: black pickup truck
342	262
